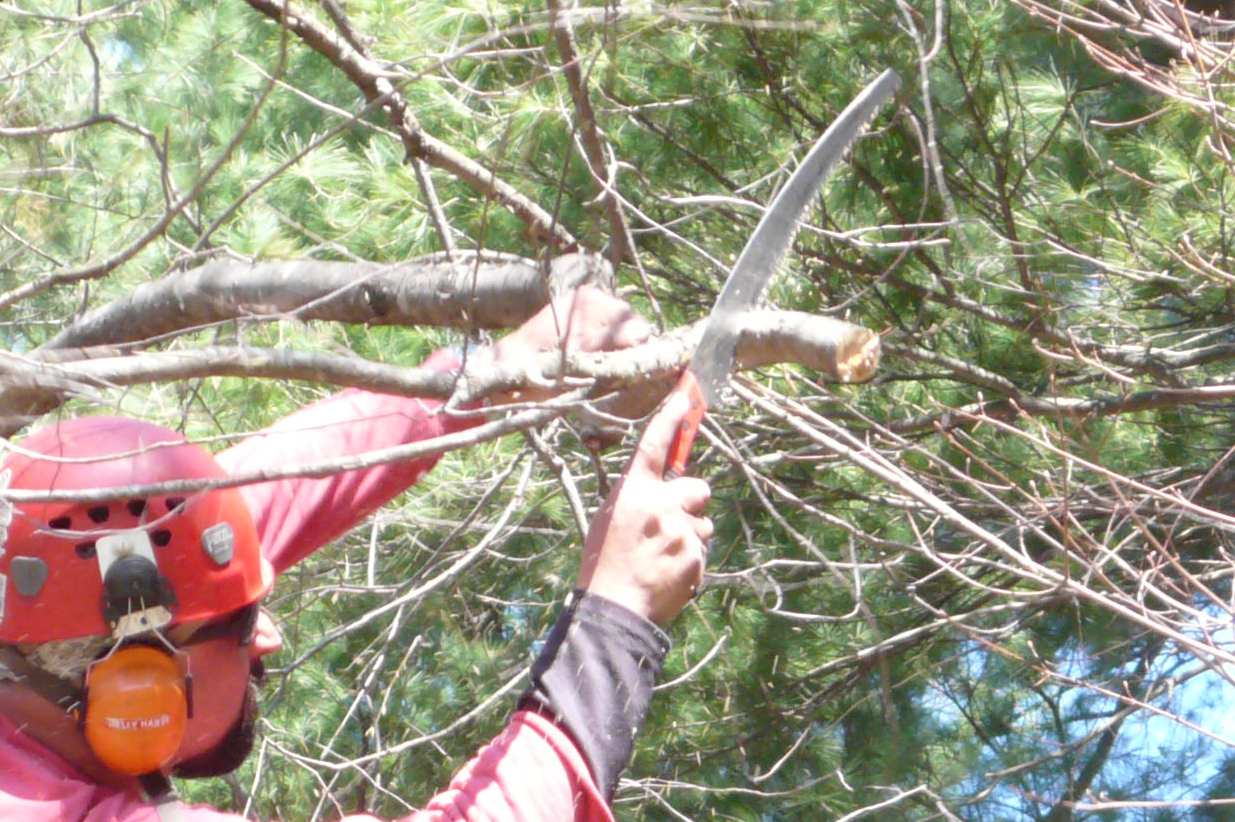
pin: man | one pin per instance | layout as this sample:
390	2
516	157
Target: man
158	596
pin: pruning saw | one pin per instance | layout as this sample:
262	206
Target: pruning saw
708	373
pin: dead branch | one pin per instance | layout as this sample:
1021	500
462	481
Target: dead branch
377	85
1055	407
323	468
481	291
844	351
621	241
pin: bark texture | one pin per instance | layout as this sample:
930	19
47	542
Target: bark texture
625	384
476	291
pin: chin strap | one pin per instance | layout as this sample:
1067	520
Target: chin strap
166	801
13	666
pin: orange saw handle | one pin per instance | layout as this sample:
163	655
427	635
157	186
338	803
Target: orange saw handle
679	449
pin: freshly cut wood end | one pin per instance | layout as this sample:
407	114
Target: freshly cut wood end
858	356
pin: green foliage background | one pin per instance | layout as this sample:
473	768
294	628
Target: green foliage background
1048	244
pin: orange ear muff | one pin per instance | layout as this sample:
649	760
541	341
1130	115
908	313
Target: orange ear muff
136	706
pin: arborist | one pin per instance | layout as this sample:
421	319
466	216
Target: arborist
132	632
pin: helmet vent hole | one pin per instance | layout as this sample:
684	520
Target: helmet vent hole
85	550
136	507
161	538
98	513
174	502
61	523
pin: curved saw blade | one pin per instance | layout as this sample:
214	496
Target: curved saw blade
708	373
713	359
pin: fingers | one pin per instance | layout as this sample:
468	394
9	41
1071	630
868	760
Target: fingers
690	533
704	530
632	331
696	559
653	449
693	494
585	319
602	322
647	547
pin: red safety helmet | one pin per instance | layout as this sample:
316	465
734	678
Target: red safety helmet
204	543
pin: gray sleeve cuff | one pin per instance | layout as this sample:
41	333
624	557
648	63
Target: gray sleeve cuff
594	676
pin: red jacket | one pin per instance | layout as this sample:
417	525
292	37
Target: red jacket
532	772
295	517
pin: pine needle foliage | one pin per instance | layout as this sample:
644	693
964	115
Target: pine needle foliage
991	584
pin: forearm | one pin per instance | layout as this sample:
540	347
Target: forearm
295	517
595	676
560	757
532	772
642	562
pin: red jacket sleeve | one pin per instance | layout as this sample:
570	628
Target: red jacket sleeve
295	517
532	772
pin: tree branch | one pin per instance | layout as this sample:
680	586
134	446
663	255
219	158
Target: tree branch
485	291
846	352
375	83
1065	407
621	242
324	468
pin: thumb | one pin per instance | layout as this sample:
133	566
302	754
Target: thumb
653	449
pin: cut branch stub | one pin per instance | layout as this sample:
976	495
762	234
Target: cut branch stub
629	383
846	352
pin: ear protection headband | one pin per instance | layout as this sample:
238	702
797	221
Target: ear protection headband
135	704
136	700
